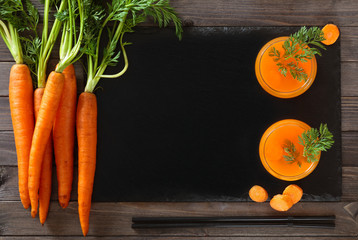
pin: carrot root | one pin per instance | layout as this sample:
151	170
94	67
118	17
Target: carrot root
21	106
46	168
46	116
86	125
64	136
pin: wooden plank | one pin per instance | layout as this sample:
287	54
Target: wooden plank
350	183
349	114
5	117
349	149
349	40
9	188
4	77
7	149
176	238
114	219
349	83
266	13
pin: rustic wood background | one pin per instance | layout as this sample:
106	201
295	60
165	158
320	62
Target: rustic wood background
113	220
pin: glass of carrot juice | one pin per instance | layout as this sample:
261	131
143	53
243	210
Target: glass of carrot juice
272	152
272	81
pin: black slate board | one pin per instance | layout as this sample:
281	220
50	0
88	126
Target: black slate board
185	121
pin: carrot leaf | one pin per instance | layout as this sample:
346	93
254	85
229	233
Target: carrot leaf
119	17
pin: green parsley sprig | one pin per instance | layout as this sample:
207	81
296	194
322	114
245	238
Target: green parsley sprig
297	48
292	153
315	141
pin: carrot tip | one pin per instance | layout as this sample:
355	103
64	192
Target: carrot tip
33	213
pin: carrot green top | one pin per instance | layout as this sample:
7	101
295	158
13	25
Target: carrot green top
15	18
68	51
122	15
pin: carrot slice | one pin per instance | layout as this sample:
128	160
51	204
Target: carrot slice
281	202
331	34
258	194
294	192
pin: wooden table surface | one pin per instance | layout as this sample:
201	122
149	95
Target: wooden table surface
113	220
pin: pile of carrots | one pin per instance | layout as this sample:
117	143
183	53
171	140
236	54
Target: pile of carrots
45	119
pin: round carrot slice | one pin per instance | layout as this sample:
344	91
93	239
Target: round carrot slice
258	194
281	202
294	192
331	34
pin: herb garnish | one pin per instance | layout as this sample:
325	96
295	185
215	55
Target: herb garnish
297	48
315	141
292	153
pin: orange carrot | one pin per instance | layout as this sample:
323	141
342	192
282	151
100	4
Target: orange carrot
64	136
22	115
86	125
281	202
258	194
46	169
331	34
43	127
294	192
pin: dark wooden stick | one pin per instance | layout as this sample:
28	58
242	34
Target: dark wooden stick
233	224
232	219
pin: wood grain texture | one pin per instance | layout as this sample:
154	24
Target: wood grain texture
267	13
9	184
350	148
349	113
114	219
176	238
349	83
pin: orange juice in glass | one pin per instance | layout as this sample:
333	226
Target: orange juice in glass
272	81
272	152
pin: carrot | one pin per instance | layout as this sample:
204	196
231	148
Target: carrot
281	202
294	192
22	115
46	116
86	125
331	34
46	169
258	194
64	136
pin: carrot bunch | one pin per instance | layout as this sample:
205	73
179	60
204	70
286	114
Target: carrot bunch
44	120
55	112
